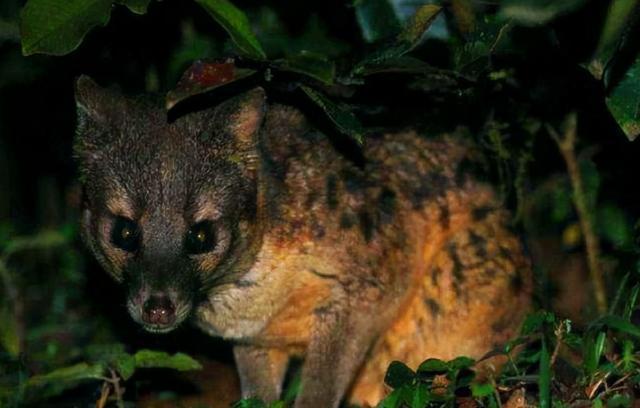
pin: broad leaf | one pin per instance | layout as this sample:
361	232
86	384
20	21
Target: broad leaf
9	340
624	102
136	6
613	35
62	379
544	382
178	361
537	12
341	117
310	64
250	403
235	22
406	41
205	76
58	27
125	364
377	19
433	366
398	374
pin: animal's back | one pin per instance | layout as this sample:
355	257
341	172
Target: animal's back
470	281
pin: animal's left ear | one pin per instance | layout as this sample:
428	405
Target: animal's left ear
245	116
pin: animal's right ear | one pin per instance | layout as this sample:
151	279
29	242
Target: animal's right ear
97	109
95	104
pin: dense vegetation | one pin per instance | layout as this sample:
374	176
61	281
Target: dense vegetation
550	89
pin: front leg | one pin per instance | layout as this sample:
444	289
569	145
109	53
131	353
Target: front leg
339	343
261	371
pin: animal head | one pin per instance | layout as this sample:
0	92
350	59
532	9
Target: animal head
169	209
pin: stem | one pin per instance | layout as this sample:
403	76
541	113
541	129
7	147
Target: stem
566	145
15	303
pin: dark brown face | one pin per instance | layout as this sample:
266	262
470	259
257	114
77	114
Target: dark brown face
169	209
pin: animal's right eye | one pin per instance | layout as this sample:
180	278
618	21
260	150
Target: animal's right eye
125	234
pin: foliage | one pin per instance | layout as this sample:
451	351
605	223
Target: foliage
503	71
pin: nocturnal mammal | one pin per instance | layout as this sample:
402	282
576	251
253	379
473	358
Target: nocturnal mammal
244	219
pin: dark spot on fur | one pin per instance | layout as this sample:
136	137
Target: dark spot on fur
479	243
490	273
312	197
347	220
433	184
433	306
480	213
318	231
332	192
387	205
366	225
354	181
517	282
458	267
505	253
445	215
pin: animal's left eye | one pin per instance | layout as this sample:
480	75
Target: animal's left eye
200	238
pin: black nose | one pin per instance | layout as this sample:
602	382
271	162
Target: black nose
159	309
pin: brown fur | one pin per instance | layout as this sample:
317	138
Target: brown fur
406	258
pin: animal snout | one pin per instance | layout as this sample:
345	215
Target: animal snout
159	310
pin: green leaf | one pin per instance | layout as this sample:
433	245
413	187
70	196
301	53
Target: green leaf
619	401
392	400
481	390
341	117
622	286
406	41
203	77
125	364
314	65
9	340
57	27
419	24
235	22
535	321
614	27
377	19
160	359
67	377
624	102
544	383
433	366
593	352
618	323
631	302
537	12
398	374
420	396
460	363
136	6
250	403
614	226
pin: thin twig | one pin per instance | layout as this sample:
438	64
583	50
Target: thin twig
117	389
104	395
566	145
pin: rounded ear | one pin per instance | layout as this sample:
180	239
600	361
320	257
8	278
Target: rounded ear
243	117
95	103
233	128
97	108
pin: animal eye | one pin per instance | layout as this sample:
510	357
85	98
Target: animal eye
200	238
125	234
